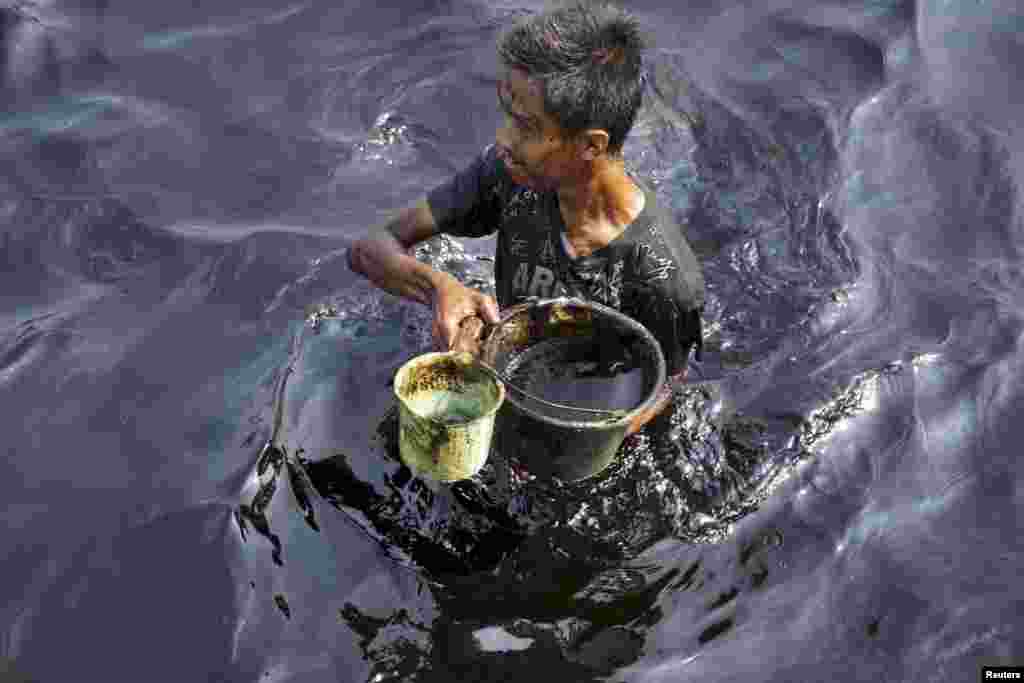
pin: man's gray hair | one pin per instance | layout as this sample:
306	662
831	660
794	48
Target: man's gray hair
587	58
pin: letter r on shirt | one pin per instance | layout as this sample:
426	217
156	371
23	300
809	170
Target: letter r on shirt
541	283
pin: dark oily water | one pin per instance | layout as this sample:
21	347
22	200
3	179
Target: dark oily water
573	373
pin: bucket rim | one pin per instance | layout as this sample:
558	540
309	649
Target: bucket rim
661	371
432	356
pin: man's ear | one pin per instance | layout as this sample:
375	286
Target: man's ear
594	143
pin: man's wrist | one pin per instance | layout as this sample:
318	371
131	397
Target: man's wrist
435	279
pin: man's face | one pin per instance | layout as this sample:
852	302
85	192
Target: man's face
536	152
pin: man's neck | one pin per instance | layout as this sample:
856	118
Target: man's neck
599	207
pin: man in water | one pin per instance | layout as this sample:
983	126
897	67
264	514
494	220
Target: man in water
571	219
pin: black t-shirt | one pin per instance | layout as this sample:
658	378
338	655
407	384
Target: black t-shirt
649	272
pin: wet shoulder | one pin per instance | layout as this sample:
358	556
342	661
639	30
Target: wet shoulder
659	255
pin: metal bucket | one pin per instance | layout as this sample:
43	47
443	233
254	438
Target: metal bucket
568	445
446	409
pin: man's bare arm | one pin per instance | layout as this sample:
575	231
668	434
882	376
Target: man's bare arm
382	256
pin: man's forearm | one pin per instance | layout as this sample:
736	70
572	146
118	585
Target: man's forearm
382	260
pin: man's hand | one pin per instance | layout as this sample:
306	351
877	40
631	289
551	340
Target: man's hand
454	302
664	399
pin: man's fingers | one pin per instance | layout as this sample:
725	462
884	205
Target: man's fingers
448	331
489	308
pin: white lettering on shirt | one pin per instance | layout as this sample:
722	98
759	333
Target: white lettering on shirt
537	281
547	252
541	283
521	279
517	246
